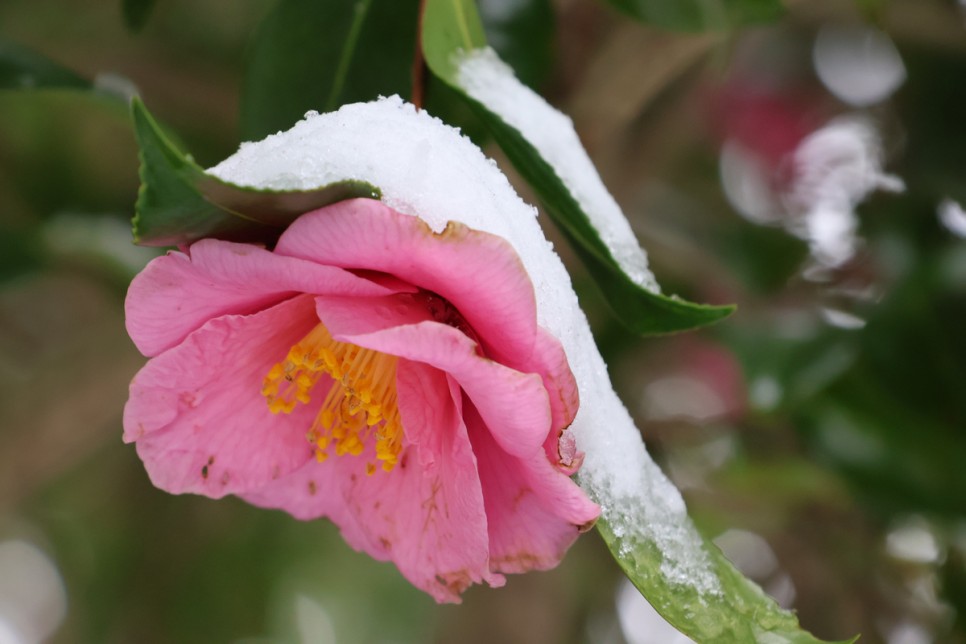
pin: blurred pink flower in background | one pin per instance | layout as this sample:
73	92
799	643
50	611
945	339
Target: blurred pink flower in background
371	371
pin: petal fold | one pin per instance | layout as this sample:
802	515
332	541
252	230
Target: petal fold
479	273
514	405
177	293
534	512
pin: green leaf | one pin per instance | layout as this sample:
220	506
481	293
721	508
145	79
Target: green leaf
23	69
449	27
452	26
740	614
136	13
699	15
522	33
311	55
179	202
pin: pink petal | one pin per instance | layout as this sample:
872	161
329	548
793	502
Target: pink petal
177	293
534	512
197	413
550	361
513	404
478	273
426	515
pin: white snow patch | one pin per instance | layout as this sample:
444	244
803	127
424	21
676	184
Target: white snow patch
428	169
836	168
490	81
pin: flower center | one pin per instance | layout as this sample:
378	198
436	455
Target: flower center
360	403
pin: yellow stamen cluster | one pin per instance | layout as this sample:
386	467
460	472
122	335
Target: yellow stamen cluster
360	403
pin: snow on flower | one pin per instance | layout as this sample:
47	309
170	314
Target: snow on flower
427	171
369	370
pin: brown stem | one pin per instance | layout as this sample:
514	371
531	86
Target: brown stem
419	63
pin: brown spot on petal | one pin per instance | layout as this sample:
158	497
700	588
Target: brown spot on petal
188	399
225	478
276	471
445	313
430	504
204	472
312	488
519	497
385	543
518	563
584	527
211	460
457	581
453	229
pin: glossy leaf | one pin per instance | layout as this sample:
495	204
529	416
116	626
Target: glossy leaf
24	69
741	614
179	202
699	15
451	26
522	32
310	55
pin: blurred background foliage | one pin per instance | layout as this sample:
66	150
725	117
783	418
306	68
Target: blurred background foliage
819	431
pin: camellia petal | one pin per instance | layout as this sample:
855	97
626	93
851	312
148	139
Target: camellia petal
194	432
178	293
479	274
514	405
533	516
428	518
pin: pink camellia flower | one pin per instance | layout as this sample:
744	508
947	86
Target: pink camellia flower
371	371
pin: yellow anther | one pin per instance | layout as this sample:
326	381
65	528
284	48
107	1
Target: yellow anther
359	407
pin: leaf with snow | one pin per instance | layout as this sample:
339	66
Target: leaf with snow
179	202
644	519
542	144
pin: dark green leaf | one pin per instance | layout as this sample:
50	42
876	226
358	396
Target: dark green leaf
310	55
137	12
21	68
179	202
699	15
453	25
522	33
